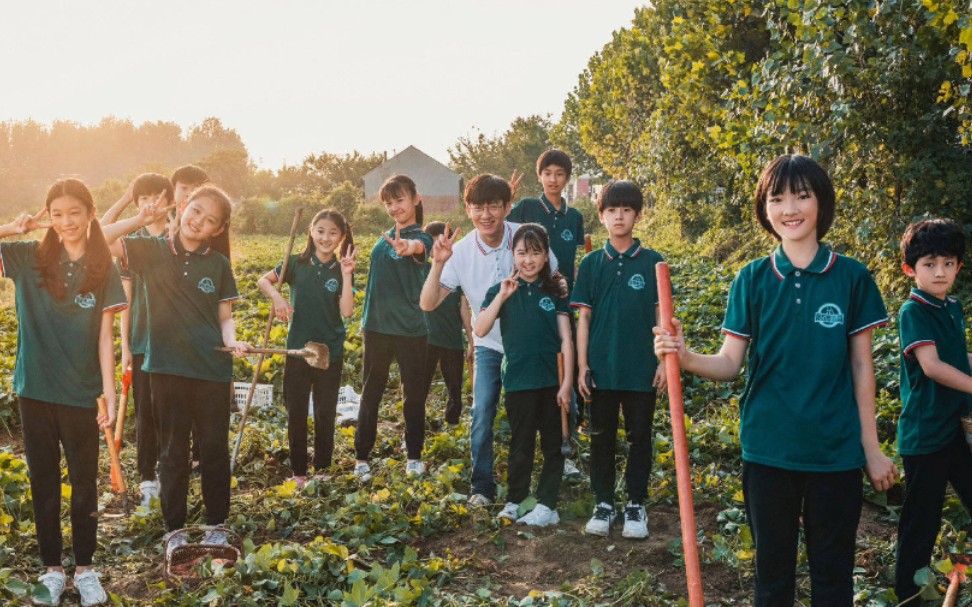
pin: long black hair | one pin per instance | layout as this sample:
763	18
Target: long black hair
342	225
534	238
398	185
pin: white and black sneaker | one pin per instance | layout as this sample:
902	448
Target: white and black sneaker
173	540
600	523
540	516
89	587
362	471
149	491
510	512
54	581
571	471
216	537
635	522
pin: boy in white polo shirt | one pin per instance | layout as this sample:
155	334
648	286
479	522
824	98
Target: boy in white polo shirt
476	263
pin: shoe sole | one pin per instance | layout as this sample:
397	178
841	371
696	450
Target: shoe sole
598	533
634	537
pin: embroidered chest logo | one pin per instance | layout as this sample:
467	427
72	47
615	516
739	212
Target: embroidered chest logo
85	300
637	282
206	285
331	285
546	304
393	253
829	316
567	235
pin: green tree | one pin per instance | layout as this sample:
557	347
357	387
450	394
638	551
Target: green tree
516	148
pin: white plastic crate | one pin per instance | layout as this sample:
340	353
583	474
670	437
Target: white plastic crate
262	396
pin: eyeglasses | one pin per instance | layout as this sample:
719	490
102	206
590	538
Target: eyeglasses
492	207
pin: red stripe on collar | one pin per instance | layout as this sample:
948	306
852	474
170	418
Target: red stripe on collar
773	265
921	299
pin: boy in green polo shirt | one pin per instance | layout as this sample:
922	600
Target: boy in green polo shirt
617	297
935	389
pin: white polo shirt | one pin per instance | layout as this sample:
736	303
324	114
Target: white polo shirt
475	267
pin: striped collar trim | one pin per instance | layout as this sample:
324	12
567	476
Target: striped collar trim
506	244
610	252
549	208
175	245
930	300
821	264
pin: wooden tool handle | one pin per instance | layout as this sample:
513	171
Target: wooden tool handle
117	480
588	246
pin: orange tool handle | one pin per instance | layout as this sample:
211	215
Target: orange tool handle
564	428
117	480
683	471
122	408
588	247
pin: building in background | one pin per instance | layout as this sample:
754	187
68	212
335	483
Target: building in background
439	186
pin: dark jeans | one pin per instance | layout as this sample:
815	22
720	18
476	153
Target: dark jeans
379	351
451	362
300	379
926	478
639	410
146	424
530	412
185	405
830	504
46	427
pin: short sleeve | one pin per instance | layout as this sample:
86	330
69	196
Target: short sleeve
914	333
490	296
867	309
15	256
581	295
139	252
426	240
580	229
291	270
561	305
123	272
227	283
450	274
738	322
113	298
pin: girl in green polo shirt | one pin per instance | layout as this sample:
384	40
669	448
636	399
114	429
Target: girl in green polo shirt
189	286
531	306
393	325
68	292
321	297
807	417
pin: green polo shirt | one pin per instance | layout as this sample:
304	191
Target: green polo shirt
565	227
621	292
445	323
391	303
930	412
138	307
185	288
57	340
531	339
315	294
798	411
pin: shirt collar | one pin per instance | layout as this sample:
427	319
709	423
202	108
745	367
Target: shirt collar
64	259
549	207
175	245
317	262
632	251
527	283
929	300
822	262
406	231
506	243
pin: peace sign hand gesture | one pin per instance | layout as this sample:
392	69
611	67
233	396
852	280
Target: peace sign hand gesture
515	181
442	247
509	285
153	212
347	262
28	223
401	245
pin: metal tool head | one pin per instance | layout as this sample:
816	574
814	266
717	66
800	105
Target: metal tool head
317	355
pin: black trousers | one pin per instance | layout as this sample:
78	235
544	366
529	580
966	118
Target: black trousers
300	380
530	412
185	405
47	427
379	351
146	425
451	362
638	409
926	478
830	504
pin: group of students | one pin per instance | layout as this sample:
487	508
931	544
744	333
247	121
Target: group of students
807	414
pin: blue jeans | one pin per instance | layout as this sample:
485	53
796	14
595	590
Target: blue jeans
486	395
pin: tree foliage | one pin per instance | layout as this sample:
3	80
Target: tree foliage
516	148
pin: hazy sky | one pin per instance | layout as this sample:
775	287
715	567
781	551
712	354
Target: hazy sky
295	77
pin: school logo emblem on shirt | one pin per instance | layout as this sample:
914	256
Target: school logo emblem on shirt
637	282
85	300
206	285
829	316
567	235
546	304
393	254
331	285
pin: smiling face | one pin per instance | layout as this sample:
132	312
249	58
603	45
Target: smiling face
401	207
203	219
934	274
326	236
553	178
793	215
70	218
528	261
488	218
619	221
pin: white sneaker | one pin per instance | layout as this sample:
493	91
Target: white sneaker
541	516
216	537
414	467
150	491
478	500
635	522
509	512
175	539
600	523
571	471
90	588
54	582
363	471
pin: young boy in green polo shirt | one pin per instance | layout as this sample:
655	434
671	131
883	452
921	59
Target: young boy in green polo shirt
935	389
617	297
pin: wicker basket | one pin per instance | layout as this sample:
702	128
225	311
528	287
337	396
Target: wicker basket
180	566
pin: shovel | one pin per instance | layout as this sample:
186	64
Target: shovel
122	408
117	479
317	355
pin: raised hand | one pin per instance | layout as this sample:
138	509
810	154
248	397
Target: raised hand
509	285
515	181
155	211
28	223
398	243
347	262
442	247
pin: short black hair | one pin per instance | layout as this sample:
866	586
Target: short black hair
935	237
150	184
487	188
796	173
190	175
554	157
435	228
621	193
